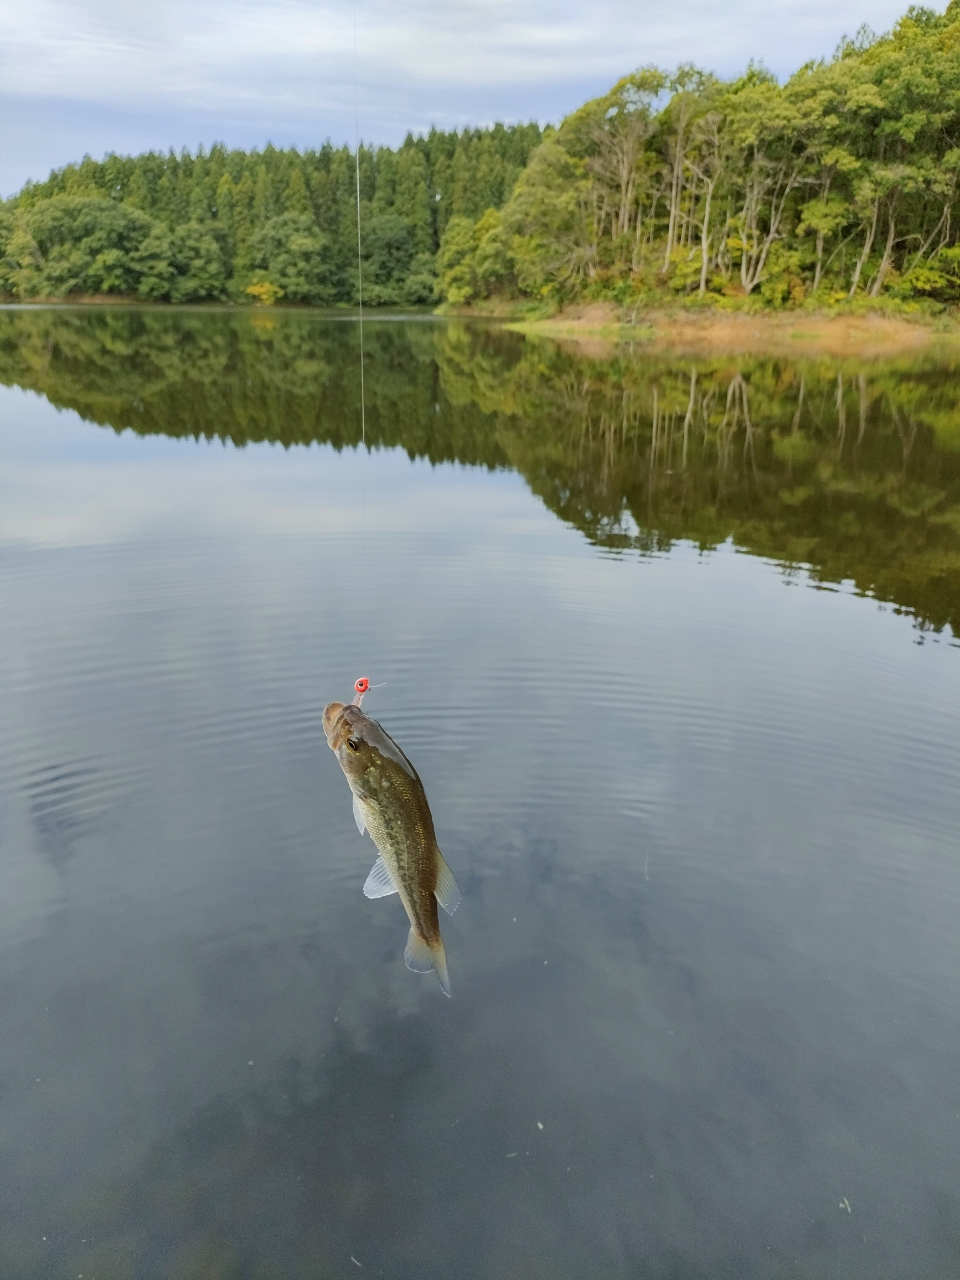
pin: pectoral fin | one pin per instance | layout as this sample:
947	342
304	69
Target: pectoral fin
446	893
358	816
379	883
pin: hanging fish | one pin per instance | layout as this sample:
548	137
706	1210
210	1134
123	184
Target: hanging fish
389	801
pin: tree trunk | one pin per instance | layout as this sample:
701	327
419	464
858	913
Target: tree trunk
675	189
672	222
705	241
744	231
867	246
942	221
818	270
722	258
753	261
885	260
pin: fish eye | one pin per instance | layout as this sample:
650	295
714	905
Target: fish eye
353	744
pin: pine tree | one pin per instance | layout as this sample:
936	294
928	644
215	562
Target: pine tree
413	198
295	198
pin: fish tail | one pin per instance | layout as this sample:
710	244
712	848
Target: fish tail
440	965
421	957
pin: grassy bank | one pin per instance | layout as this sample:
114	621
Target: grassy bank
854	330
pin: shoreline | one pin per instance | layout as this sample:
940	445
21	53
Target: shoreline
603	329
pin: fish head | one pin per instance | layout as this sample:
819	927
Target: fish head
331	713
360	744
347	730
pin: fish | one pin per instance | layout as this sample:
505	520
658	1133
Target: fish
389	801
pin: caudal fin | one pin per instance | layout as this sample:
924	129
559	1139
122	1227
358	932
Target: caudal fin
421	958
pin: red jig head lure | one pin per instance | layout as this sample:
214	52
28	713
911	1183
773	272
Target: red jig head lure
361	687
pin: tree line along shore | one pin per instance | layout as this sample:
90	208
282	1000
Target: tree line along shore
836	187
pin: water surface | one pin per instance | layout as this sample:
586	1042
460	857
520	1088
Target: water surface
673	648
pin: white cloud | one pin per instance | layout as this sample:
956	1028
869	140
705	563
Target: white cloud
297	53
99	75
290	52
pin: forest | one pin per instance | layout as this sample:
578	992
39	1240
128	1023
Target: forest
838	185
257	226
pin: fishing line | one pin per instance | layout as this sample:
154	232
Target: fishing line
363	686
363	404
356	135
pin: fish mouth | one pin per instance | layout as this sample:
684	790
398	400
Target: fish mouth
331	718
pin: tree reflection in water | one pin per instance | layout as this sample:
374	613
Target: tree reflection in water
849	469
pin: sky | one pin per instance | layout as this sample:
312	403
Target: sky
94	76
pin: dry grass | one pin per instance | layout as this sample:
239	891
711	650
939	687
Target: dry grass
599	328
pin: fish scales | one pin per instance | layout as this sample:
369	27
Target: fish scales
390	802
404	836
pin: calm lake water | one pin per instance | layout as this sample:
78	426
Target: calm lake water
673	647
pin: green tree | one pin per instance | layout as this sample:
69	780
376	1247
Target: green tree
292	253
295	197
551	224
458	282
474	258
389	249
183	265
72	244
412	200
